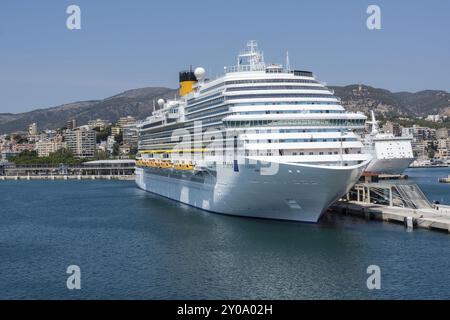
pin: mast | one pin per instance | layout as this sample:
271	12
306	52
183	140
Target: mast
288	65
374	124
254	59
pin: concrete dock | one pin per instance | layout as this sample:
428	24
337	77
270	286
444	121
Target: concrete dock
437	218
69	177
392	201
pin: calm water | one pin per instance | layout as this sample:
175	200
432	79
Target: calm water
132	245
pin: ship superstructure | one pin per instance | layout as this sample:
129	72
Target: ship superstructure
261	140
391	154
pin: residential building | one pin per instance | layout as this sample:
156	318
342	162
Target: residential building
71	124
44	148
110	143
81	142
433	117
32	129
115	131
419	148
130	135
125	121
18	148
98	123
442	133
392	128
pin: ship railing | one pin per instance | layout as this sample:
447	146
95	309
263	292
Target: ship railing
246	67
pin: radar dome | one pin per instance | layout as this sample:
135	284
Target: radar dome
161	102
199	73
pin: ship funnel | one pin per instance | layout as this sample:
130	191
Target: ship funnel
187	81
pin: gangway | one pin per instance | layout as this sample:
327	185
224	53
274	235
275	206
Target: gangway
390	194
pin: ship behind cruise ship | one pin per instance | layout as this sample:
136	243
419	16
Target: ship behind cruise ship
262	140
391	154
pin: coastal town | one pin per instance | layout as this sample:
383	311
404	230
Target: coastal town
98	139
98	148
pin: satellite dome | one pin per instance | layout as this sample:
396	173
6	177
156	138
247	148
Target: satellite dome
161	102
199	73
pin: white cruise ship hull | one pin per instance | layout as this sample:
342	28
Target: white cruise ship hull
389	166
296	192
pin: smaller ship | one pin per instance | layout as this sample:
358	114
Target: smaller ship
391	154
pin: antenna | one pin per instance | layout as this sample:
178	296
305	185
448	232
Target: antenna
252	45
288	65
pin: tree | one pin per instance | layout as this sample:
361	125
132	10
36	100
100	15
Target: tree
116	149
19	139
102	135
101	155
431	154
118	138
61	156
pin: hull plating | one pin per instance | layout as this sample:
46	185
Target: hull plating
296	192
389	166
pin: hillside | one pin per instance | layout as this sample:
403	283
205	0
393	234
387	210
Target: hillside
365	98
139	103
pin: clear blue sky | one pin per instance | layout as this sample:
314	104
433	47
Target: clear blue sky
129	44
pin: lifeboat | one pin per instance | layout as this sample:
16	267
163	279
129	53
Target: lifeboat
152	163
166	164
184	166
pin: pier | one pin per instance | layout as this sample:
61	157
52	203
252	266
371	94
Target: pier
69	177
394	202
93	170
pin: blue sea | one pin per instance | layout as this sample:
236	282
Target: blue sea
130	244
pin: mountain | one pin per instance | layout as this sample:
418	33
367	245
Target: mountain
419	104
139	103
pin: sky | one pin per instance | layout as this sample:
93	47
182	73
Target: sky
130	44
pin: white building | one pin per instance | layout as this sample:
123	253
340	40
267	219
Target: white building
32	129
115	131
81	142
433	117
442	133
110	144
130	135
126	121
98	123
44	148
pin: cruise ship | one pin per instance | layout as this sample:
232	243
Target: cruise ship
391	154
261	140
